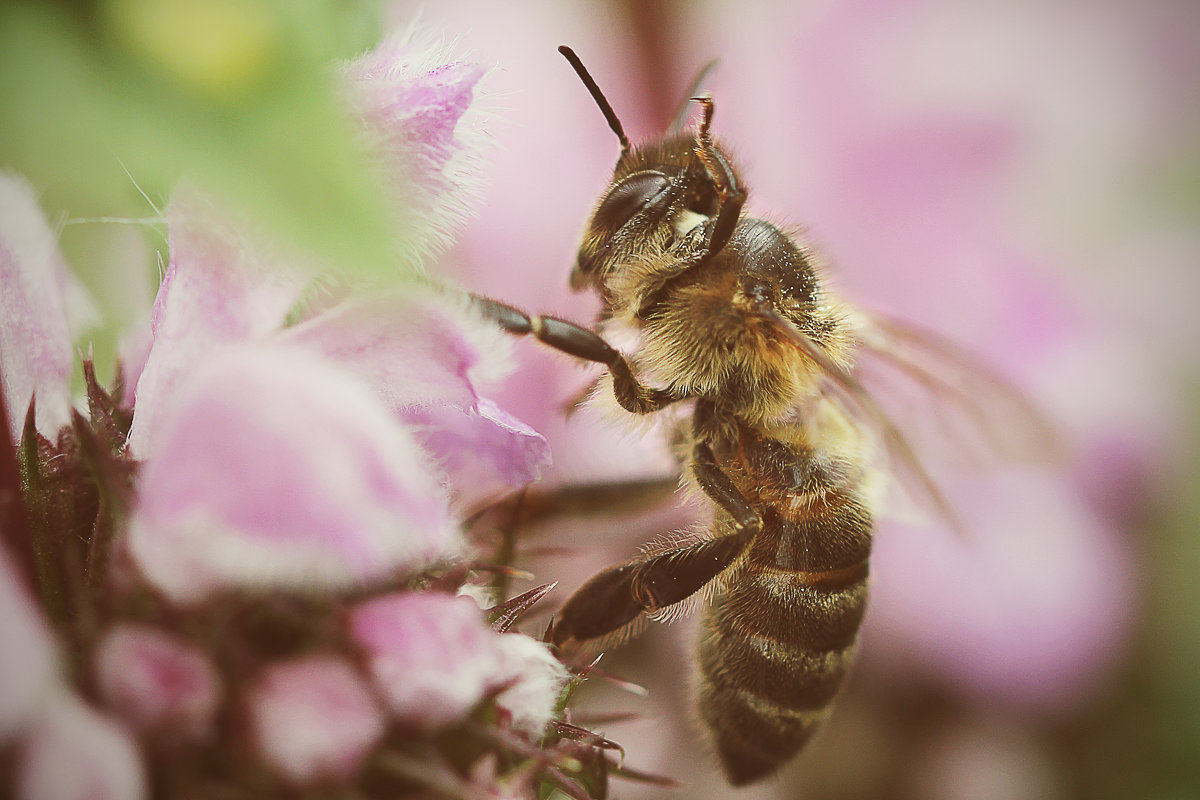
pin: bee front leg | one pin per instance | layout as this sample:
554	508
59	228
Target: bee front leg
731	196
572	339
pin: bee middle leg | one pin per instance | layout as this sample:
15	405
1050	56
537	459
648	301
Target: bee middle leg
572	339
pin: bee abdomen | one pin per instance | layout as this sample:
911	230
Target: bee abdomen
765	684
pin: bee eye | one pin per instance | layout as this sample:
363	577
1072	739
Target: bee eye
630	196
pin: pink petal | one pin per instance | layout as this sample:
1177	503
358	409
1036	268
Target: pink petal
153	679
220	287
134	347
28	664
426	355
415	104
278	469
417	349
41	308
314	718
430	654
485	452
75	753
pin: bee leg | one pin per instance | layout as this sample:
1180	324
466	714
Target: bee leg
587	500
577	341
618	595
730	194
717	485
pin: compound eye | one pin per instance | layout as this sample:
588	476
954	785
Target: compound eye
630	196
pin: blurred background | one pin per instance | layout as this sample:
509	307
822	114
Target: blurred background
1023	177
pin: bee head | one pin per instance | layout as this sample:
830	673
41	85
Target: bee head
658	192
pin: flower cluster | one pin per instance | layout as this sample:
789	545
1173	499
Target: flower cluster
242	570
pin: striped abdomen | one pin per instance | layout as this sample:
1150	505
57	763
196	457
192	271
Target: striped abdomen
779	636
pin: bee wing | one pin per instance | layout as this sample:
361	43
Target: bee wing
947	398
844	389
913	376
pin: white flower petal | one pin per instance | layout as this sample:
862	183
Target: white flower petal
314	718
74	753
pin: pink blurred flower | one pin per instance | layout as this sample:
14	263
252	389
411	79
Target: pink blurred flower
314	719
46	723
28	662
276	468
72	752
42	305
156	681
434	659
417	108
313	458
429	654
287	513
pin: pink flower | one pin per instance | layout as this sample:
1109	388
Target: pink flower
294	440
74	753
429	357
430	654
314	718
28	662
416	104
434	659
156	681
276	468
42	306
289	514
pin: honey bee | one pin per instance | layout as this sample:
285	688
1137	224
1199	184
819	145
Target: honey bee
736	332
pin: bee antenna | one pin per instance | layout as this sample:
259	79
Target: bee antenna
597	95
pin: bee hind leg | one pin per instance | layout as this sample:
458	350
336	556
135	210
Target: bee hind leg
618	595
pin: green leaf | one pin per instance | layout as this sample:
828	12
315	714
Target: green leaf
239	97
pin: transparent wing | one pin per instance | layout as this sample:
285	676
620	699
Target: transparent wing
950	400
912	387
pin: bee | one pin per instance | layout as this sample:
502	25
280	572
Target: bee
736	333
